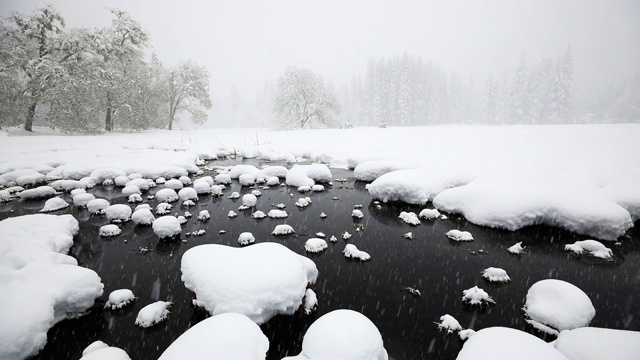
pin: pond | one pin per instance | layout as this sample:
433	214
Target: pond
439	268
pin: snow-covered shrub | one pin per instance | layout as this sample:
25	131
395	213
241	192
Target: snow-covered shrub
449	323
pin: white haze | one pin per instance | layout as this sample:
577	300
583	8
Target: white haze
246	43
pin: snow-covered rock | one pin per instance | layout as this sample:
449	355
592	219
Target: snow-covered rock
303	202
202	187
246	238
188	193
371	170
232	214
167	195
315	245
5	196
153	314
242	169
40	285
216	190
134	198
234	195
303	189
495	275
516	249
258	215
166	226
282	229
67	185
357	214
259	281
142	216
342	334
41	192
476	296
119	299
22	177
273	180
457	235
204	215
118	213
429	214
185	180
247	180
317	188
449	323
82	199
592	343
310	301
141	184
554	305
54	204
300	175
346	235
273	171
410	218
249	200
110	230
174	184
500	343
121	180
277	214
97	206
98	350
224	336
224	179
591	247
351	251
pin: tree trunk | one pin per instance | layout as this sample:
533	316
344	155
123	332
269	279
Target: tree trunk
172	113
28	121
108	121
170	127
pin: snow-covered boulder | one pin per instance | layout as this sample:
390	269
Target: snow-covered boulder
121	180
5	196
216	190
54	204
153	314
40	285
204	215
102	174
342	334
457	235
249	200
41	192
110	230
130	189
202	187
591	247
82	199
118	213
598	344
554	305
259	281
224	336
277	214
282	229
224	179
493	274
67	185
315	245
166	226
258	215
75	192
273	171
307	175
242	169
352	252
206	179
429	214
234	195
476	296
247	180
98	206
167	195
371	170
449	323
409	218
98	350
500	343
516	249
163	208
119	299
142	216
303	202
23	177
414	186
188	193
357	214
232	214
273	180
134	199
174	184
141	184
317	188
246	238
185	180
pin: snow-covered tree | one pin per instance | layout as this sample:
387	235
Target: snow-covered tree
303	100
187	89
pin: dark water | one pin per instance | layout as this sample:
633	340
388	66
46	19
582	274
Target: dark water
439	268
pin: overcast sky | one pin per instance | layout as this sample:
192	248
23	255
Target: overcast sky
242	43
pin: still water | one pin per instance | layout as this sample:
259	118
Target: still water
439	268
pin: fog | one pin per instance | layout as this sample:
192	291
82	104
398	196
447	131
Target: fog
245	44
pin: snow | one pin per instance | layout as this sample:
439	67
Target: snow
67	185
41	285
166	226
22	177
134	198
495	275
346	235
277	214
142	184
351	251
5	196
303	202
216	190
317	188
273	171
204	215
82	199
118	213
234	195
310	301
174	184
342	334
357	214
167	195
282	229
119	299
142	216
97	206
249	200
315	245
224	336
259	281
429	214
476	296
558	305
96	345
54	204
246	238
516	249
121	180
457	235
590	343
247	180
449	323
258	215
232	214
101	351
307	175
153	314
110	230
242	169
75	192
188	193
202	187
273	180
371	170
410	218
185	180
40	192
224	179
592	247
500	343
130	189
163	208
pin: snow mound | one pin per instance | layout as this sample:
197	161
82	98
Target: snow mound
224	179
167	195
5	196
153	314
22	177
592	247
97	206
342	334
119	299
413	186
174	184
429	214
163	208
204	215
495	275
273	180
247	180
216	190
592	343
476	296
40	285
273	171
202	187
500	343
188	193
121	180
371	170
249	200
277	214
143	216
82	199
557	305
224	336
234	195
303	202
67	185
131	189
315	245
282	229
258	215
75	192
457	235
516	249
54	204
310	301
185	180
134	198
449	323
410	218
118	213
232	214
259	281
240	170
41	192
570	204
357	214
246	238
141	184
318	188
101	351
307	175
110	230
166	226
351	251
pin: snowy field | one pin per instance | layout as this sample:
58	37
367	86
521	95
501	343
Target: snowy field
583	180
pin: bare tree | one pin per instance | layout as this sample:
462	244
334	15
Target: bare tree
187	88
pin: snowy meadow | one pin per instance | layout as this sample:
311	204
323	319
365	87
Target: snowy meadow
416	242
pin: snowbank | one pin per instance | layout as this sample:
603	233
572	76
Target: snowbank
500	343
259	281
224	336
342	334
41	285
307	175
591	343
371	170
